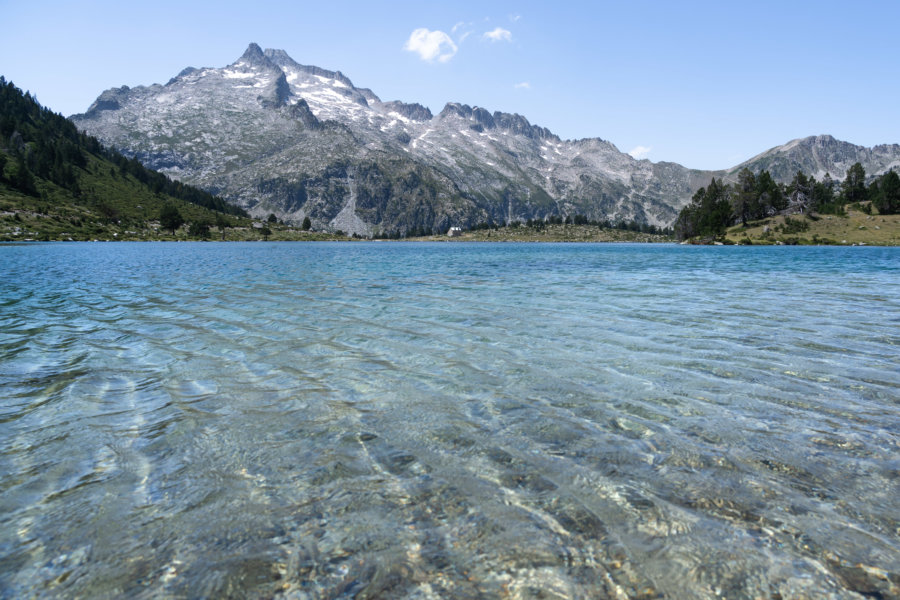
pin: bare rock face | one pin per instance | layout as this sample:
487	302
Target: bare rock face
414	112
820	155
275	136
108	100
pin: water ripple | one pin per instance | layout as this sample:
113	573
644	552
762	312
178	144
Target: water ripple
414	421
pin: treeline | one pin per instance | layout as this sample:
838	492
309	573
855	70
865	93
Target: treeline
536	224
540	224
397	234
36	143
719	206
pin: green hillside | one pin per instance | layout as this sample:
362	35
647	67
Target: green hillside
59	184
757	210
853	227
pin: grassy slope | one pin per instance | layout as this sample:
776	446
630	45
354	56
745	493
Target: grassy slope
116	207
112	205
856	228
23	218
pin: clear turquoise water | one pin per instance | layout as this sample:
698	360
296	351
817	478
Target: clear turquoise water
449	421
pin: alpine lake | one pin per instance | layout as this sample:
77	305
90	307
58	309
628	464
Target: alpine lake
418	421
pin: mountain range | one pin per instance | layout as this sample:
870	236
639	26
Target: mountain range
274	136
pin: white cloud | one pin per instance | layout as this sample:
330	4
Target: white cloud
515	18
523	86
640	152
498	35
431	45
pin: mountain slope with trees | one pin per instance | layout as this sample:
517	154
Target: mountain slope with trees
755	199
59	183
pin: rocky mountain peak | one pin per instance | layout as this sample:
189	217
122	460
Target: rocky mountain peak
279	57
477	114
284	61
512	123
185	72
254	60
414	111
109	100
818	155
254	55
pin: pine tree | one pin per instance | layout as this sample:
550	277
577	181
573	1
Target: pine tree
770	198
223	223
716	209
170	218
854	187
21	178
199	229
746	197
823	194
800	191
887	201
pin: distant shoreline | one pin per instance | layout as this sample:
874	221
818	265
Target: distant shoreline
854	229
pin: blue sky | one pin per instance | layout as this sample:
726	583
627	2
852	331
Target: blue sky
705	84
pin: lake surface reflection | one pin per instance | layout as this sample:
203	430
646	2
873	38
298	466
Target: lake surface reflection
449	421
